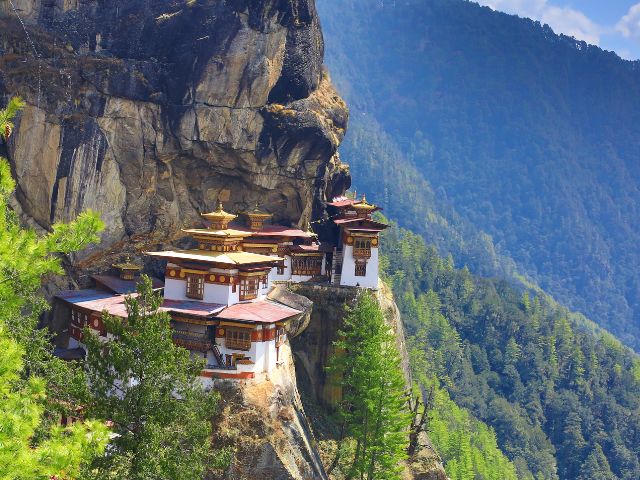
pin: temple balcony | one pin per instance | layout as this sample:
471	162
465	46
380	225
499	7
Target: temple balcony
192	341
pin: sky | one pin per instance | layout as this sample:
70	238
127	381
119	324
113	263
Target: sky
610	24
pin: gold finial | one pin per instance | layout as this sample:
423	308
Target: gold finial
219	218
363	205
127	269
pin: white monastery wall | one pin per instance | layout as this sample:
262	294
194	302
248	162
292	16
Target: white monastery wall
349	269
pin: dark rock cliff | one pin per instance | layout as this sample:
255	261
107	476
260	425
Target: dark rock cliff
149	111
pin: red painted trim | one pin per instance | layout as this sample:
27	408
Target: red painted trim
237	376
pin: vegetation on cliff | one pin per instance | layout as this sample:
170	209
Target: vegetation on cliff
373	411
564	402
34	386
148	387
465	120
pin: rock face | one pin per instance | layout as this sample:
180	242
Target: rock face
150	111
266	426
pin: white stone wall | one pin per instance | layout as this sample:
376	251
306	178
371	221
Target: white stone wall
176	289
273	275
349	278
263	354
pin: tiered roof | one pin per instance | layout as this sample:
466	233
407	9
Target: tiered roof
361	206
219	218
231	259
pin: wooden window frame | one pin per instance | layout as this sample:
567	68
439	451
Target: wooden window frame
361	269
195	286
249	288
362	248
237	339
306	265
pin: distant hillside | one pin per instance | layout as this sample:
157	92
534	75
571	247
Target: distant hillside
466	121
564	402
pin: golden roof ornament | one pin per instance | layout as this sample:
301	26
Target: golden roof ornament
364	205
219	218
256	212
257	218
128	269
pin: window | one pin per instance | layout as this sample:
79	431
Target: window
280	336
195	286
361	269
280	269
306	265
249	288
78	318
238	339
362	248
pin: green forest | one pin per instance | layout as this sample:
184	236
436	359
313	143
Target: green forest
497	140
562	400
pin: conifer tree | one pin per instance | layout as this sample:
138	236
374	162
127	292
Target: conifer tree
149	388
596	466
22	405
34	385
373	408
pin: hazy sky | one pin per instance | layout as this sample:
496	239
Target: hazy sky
610	24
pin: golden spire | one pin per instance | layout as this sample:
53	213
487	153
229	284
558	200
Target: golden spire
310	229
127	269
364	205
257	218
219	218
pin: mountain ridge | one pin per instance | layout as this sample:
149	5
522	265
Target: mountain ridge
528	136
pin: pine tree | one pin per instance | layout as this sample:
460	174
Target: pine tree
149	388
34	385
22	406
596	466
374	407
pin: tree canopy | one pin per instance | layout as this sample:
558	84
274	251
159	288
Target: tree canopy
149	388
374	405
562	399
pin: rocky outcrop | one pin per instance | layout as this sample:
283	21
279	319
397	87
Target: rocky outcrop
150	111
265	424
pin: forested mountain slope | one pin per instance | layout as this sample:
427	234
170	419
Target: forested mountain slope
564	401
466	120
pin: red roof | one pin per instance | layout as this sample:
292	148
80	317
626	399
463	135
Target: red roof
260	311
118	285
188	307
305	248
96	301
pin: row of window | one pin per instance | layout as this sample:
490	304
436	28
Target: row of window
306	265
248	287
238	339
